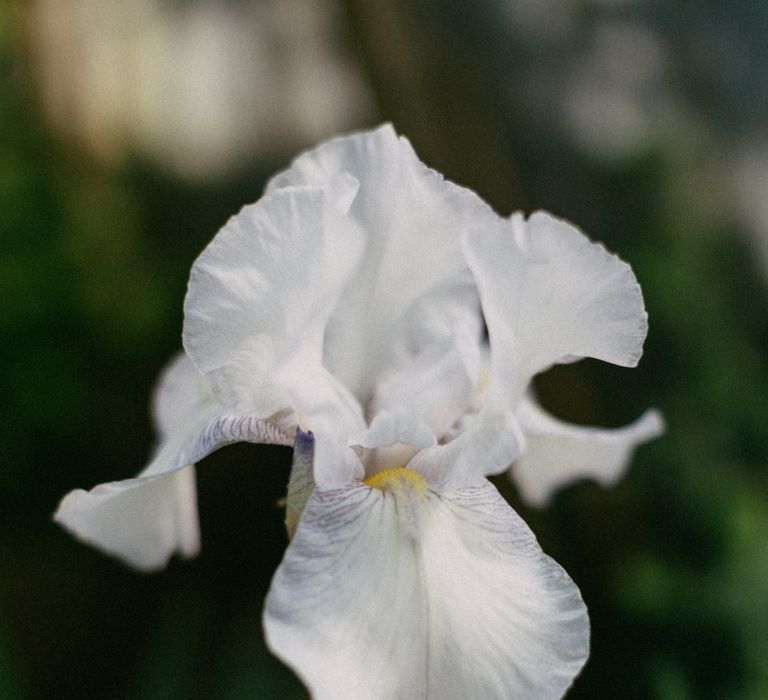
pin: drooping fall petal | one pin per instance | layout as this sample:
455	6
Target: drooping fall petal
144	520
558	453
453	600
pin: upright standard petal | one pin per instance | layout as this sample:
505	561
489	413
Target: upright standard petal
261	293
434	364
409	593
558	453
550	295
144	520
412	220
257	308
436	384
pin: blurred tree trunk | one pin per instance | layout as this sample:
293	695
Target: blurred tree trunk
436	90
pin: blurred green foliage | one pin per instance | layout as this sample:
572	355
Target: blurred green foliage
672	563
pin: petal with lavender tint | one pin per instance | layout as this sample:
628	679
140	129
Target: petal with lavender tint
300	482
144	520
409	593
259	299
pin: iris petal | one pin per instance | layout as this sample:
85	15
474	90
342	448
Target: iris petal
144	520
551	295
259	299
458	601
558	453
412	220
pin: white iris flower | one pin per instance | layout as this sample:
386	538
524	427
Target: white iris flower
349	302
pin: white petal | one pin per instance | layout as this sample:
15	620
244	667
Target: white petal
393	437
467	606
487	444
412	219
434	367
435	384
550	295
449	309
257	308
180	390
144	520
558	453
326	408
261	293
400	424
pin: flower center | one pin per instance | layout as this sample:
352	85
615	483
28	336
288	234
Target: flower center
397	481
